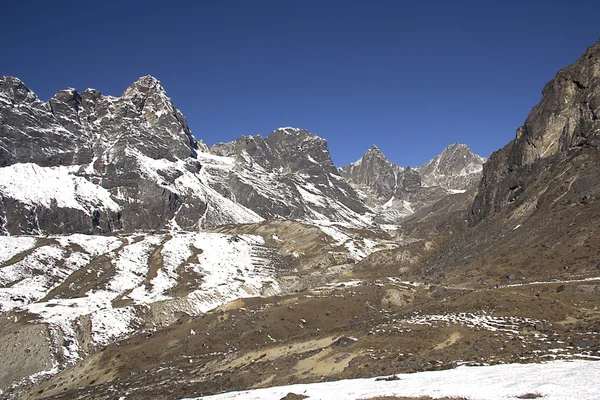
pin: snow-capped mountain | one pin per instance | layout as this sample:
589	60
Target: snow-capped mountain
84	162
456	168
289	174
395	192
89	163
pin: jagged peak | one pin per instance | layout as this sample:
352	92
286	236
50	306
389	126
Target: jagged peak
65	93
146	84
457	145
374	151
290	129
299	133
11	79
14	89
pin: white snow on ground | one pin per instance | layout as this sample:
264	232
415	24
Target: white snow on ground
230	266
93	245
31	278
482	321
10	246
358	247
53	187
131	267
231	269
557	380
132	264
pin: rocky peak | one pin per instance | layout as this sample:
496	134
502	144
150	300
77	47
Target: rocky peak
289	173
374	174
456	168
146	85
150	98
13	90
374	155
284	149
300	151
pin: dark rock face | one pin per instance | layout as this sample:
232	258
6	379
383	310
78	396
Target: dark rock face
377	176
395	192
73	128
565	120
99	163
289	174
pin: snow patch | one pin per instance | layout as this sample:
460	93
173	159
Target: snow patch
555	380
53	187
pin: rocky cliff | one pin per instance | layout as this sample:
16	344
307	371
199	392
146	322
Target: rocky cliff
85	162
565	122
290	174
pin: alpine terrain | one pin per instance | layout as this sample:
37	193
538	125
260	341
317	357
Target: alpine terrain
136	262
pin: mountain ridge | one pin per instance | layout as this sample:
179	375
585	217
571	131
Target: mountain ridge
395	192
137	151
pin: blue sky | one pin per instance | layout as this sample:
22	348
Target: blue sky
409	76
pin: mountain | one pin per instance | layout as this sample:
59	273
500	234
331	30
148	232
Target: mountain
255	263
395	192
131	162
374	174
536	212
562	131
84	162
456	168
289	174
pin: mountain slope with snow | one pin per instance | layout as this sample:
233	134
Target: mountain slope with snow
289	174
395	192
131	162
456	168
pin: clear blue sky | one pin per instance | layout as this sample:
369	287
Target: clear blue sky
409	76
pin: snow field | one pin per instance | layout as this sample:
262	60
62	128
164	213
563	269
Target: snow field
556	380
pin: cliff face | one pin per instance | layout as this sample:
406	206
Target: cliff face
566	119
289	174
88	163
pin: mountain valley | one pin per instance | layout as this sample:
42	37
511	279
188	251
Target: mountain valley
139	263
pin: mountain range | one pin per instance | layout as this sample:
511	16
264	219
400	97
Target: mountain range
132	163
136	262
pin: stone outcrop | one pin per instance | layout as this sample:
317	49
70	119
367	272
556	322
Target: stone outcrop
565	120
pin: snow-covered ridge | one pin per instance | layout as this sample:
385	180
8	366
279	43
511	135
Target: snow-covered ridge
219	209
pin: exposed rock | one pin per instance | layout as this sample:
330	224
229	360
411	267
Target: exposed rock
289	174
565	120
343	342
377	176
84	162
395	193
294	396
456	168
